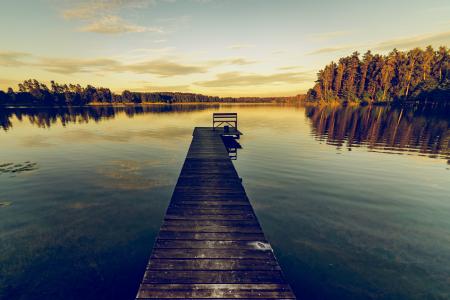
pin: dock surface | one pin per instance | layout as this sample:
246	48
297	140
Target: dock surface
211	245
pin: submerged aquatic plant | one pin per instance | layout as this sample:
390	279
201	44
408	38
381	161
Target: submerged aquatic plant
15	168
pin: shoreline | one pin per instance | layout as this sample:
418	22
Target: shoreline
131	104
336	103
305	103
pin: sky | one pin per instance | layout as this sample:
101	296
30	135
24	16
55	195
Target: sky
213	47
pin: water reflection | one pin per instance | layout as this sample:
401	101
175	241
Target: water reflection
390	130
423	131
45	117
129	175
232	146
343	226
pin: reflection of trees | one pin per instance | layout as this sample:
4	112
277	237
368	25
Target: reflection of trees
45	117
382	128
5	122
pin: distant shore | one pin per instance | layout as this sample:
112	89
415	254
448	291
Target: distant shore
34	93
132	104
320	103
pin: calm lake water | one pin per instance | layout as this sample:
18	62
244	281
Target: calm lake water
355	201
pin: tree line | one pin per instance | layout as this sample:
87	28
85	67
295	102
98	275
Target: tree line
34	93
414	75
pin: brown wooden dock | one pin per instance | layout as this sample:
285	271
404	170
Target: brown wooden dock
211	244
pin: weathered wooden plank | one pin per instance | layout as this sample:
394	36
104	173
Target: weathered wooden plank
203	196
228	286
205	182
213	264
212	202
209	192
243	217
217	166
205	244
208	180
212	253
210	228
211	223
210	205
218	298
192	166
216	294
199	291
181	276
218	195
185	211
210	236
210	245
210	188
215	291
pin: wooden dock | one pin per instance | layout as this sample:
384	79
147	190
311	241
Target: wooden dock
211	245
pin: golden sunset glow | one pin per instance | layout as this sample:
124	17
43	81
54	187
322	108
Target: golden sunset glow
224	48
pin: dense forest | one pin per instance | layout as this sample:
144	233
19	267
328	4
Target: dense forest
34	93
416	75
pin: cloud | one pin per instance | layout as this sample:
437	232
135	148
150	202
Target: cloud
166	67
116	25
330	50
103	16
240	79
71	66
241	61
231	61
81	12
320	37
287	68
87	9
12	58
240	46
166	88
435	39
153	51
163	67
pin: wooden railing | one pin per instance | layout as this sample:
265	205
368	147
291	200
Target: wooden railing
226	119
